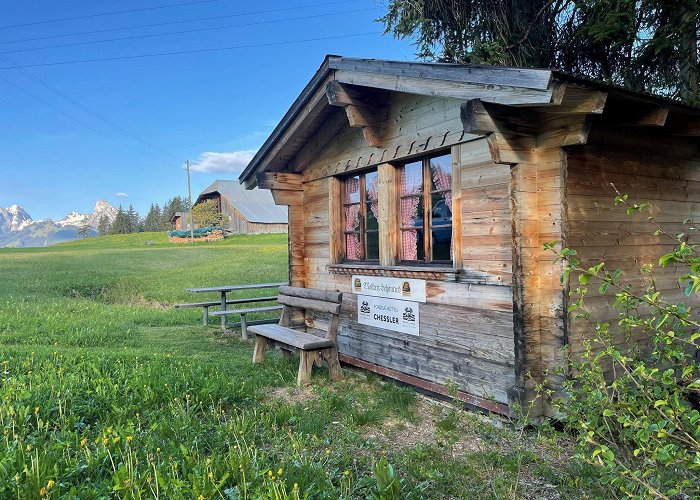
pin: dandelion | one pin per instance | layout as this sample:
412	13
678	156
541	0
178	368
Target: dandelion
83	442
210	475
42	492
296	486
29	447
347	473
269	473
116	440
50	484
200	497
279	472
105	441
129	439
157	450
328	451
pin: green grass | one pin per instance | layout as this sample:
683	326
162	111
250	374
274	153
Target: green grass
106	391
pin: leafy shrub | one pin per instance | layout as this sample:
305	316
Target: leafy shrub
635	410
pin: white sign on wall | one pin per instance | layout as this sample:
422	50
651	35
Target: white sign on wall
389	314
390	288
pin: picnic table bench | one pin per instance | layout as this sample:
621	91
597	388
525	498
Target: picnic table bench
224	301
315	346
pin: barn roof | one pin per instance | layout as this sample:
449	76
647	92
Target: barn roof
517	87
254	205
177	215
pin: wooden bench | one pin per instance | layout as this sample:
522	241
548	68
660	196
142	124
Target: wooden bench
215	303
292	334
243	312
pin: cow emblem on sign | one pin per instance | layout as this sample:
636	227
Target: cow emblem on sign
364	308
408	314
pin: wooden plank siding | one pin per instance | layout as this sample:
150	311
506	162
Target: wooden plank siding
466	331
661	170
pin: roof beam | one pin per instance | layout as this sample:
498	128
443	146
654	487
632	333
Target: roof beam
481	118
570	99
279	180
365	109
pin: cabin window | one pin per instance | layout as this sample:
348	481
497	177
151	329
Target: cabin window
360	213
426	210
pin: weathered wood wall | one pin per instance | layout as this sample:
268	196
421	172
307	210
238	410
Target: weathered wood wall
662	170
466	330
240	225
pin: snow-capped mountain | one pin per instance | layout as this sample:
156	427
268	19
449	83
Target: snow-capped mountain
91	220
14	218
18	229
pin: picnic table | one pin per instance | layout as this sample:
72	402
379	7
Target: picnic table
225	289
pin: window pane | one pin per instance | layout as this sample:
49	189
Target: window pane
372	196
352	190
353	248
441	223
412	178
372	245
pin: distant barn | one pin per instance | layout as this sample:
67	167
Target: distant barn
250	212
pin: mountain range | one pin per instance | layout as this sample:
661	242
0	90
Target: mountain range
18	229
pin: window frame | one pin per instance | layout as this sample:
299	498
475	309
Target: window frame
426	196
362	212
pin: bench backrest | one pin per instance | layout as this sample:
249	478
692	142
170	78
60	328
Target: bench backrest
313	300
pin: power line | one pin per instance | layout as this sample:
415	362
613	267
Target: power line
86	109
80	122
198	51
214	18
107	14
196	30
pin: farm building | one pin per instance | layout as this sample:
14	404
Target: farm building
250	212
425	193
178	221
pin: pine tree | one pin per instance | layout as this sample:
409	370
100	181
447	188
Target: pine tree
104	226
152	222
121	222
134	220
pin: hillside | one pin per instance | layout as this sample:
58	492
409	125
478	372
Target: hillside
109	391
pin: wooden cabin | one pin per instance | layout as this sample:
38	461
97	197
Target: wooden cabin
249	212
178	221
425	192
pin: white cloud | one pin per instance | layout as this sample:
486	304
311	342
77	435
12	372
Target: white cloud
232	162
123	195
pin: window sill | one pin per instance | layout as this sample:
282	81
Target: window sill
427	272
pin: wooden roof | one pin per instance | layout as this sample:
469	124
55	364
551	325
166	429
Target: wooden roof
362	83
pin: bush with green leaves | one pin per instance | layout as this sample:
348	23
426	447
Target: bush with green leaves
634	406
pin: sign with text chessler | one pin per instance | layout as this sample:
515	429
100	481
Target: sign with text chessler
389	288
389	314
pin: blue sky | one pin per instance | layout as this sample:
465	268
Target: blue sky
213	107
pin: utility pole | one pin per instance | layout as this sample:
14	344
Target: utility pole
189	196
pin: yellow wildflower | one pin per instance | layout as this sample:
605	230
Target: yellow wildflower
105	441
42	492
83	442
347	473
269	473
210	475
29	447
157	450
129	439
279	472
200	497
50	484
116	439
296	486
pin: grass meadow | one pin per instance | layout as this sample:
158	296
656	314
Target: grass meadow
106	391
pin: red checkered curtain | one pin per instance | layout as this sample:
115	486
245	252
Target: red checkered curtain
411	187
353	248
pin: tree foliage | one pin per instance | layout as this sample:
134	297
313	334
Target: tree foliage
206	213
645	45
635	405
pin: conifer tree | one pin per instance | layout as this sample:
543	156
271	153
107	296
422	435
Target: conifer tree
152	222
104	226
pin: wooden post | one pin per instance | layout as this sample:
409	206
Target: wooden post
223	308
244	327
389	216
259	350
205	318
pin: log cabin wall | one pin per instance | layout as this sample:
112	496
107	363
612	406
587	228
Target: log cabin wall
466	326
650	167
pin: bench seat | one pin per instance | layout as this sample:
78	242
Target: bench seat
247	310
313	349
293	338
